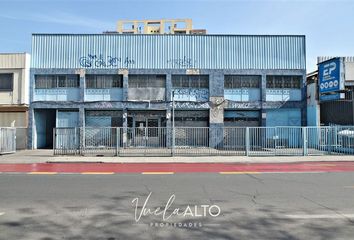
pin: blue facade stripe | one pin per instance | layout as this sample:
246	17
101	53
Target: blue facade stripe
114	51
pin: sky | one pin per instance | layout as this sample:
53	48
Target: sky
327	24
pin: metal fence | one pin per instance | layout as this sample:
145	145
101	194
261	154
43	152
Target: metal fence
204	141
7	140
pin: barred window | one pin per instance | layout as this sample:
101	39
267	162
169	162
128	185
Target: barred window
104	81
190	81
147	81
6	81
57	81
242	81
284	81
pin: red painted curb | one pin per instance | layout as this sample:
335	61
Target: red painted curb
179	167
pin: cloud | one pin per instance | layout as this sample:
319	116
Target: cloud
62	18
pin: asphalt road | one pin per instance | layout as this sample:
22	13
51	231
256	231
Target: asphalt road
252	206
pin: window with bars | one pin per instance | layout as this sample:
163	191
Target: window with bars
147	81
6	81
57	81
104	81
190	81
242	81
284	81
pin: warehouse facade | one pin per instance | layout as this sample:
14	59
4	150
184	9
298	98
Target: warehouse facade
131	81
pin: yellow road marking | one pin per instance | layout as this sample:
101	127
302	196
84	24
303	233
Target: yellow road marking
322	165
51	173
239	172
157	173
106	173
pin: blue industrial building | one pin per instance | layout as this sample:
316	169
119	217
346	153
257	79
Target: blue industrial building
120	80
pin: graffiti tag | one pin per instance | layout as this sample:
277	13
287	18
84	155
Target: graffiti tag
98	61
182	62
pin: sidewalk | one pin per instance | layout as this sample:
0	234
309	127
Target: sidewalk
43	156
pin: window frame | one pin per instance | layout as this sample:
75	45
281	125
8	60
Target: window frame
235	81
147	81
11	77
101	81
190	81
284	81
56	81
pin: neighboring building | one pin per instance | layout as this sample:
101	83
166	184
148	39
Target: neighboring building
162	26
14	95
332	88
115	80
313	107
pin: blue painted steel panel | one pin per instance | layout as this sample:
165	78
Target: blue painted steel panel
241	114
68	119
110	94
111	51
283	94
283	117
243	95
57	94
191	94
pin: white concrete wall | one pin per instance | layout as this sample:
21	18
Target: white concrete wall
18	65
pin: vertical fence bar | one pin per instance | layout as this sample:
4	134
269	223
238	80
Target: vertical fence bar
117	141
247	141
304	141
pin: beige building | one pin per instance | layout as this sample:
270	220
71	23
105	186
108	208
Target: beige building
14	94
162	26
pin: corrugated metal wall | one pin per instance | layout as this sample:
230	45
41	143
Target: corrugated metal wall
13	60
168	51
325	58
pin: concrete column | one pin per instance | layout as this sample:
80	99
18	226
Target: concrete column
168	88
125	73
125	127
304	101
82	128
31	121
82	73
263	117
168	127
263	99
216	112
31	131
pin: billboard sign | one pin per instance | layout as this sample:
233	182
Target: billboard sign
329	76
332	97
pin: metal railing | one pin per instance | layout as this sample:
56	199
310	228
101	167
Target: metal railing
7	140
204	141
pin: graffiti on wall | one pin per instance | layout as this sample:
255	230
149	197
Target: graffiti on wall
184	62
191	94
92	60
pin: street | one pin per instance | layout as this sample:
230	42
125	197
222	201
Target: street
111	206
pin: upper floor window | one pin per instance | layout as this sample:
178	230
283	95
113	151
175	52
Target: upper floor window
284	81
6	81
104	81
57	81
242	81
147	81
190	81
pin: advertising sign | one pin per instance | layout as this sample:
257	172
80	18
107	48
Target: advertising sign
331	97
329	76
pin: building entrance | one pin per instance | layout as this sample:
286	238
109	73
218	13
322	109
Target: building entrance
147	129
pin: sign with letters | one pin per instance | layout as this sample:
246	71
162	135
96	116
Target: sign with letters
329	76
330	80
